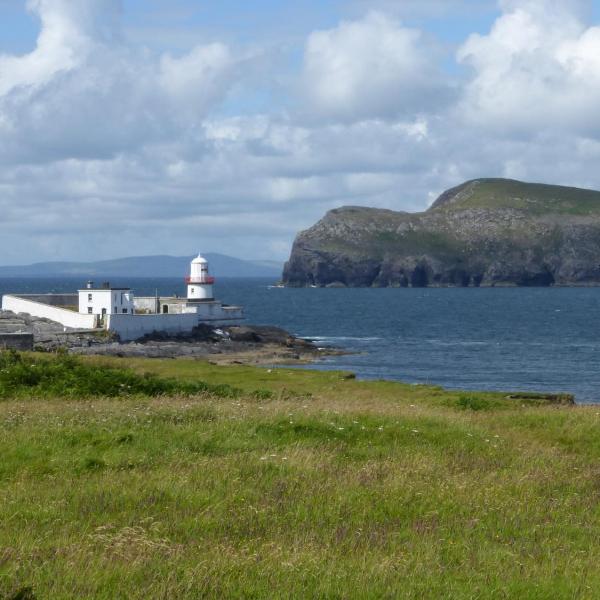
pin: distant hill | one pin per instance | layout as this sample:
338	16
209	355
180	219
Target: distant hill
147	266
484	232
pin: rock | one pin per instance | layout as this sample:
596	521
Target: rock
486	232
242	334
204	340
336	284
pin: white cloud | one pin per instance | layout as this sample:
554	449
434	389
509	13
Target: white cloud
372	68
109	144
537	69
199	79
83	92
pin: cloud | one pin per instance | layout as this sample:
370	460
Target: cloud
538	68
84	93
372	68
112	148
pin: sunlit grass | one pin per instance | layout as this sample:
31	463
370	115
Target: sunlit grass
326	487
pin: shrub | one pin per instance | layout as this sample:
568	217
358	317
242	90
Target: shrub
69	377
473	403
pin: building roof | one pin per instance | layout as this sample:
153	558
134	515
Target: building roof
110	289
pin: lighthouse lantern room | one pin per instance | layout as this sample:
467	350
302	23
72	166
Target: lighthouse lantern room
199	283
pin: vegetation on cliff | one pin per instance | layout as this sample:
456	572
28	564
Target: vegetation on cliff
483	232
321	487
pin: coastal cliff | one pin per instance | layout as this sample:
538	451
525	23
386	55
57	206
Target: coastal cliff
485	232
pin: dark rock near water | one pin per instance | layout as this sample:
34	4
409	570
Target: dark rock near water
204	340
487	232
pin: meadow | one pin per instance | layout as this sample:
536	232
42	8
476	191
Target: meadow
189	480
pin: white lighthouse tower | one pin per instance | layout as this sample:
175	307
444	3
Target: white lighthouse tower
199	283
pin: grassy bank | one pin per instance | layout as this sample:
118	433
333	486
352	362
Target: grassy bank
293	484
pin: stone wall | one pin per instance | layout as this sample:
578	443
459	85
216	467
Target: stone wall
65	317
16	341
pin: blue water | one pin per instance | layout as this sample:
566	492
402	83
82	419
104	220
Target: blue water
542	339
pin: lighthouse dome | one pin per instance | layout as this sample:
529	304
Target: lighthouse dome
199	260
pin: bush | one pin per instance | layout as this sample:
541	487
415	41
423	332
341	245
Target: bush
473	403
69	377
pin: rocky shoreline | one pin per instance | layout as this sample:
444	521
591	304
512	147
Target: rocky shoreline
239	344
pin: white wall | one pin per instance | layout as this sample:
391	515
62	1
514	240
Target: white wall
68	318
132	327
147	303
215	311
109	301
200	291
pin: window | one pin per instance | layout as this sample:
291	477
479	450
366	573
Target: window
124	311
116	310
90	310
89	297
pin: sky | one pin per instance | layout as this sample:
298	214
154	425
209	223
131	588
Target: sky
137	127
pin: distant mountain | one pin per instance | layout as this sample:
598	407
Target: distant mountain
485	232
147	266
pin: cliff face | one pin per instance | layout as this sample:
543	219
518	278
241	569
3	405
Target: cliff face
484	232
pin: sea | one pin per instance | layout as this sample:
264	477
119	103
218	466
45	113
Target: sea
504	339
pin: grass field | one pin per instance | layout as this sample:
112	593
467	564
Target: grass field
250	483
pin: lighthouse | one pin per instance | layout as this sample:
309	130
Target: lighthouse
199	283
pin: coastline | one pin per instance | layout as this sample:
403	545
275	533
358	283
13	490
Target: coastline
259	345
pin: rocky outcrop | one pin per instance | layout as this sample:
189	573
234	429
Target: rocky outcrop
487	232
253	344
245	343
49	335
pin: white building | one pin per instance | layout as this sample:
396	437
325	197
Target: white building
200	283
105	300
118	310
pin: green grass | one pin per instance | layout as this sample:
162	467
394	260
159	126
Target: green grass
324	487
66	376
533	198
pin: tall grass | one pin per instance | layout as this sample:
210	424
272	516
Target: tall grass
341	489
69	377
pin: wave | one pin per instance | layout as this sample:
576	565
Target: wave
321	338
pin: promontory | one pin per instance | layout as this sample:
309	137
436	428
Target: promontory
485	232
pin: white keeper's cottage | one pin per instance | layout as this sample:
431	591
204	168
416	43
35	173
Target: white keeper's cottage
105	300
118	309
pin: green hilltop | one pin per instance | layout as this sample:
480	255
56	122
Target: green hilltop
535	198
484	232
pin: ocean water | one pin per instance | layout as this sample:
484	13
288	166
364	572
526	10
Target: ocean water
509	339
